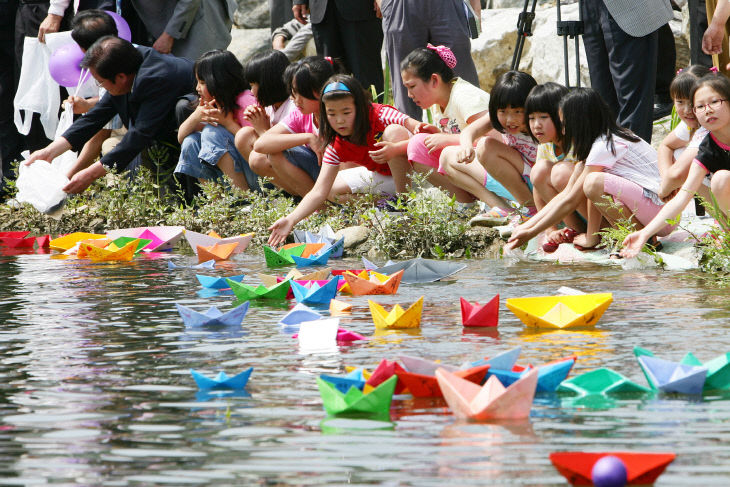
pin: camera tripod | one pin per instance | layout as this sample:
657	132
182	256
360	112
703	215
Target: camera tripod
565	29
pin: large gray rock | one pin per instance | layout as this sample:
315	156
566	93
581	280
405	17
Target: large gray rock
354	236
247	42
252	14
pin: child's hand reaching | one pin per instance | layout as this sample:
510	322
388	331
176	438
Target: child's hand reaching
466	154
632	244
258	117
436	142
426	128
387	151
280	229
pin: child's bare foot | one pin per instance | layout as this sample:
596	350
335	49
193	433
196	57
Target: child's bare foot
585	242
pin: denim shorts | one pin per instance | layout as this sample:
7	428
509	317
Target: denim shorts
305	159
201	151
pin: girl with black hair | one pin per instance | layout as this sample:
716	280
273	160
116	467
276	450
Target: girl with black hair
553	167
679	148
265	73
353	130
290	151
207	135
509	158
614	162
710	99
427	74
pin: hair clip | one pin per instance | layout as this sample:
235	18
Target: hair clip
446	55
335	86
329	60
714	69
680	70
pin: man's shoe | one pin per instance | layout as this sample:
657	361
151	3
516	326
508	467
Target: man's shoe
662	109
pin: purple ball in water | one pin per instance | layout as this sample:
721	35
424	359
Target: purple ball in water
65	64
609	471
123	30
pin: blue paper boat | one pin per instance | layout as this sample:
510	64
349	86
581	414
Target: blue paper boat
672	376
208	264
344	383
238	381
318	259
549	376
212	282
315	294
298	314
213	316
325	235
503	361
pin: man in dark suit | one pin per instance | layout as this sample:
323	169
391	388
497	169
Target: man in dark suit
142	87
349	30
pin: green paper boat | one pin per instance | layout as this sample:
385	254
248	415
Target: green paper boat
355	403
601	381
718	369
122	241
282	257
245	292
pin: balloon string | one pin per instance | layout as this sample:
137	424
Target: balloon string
82	79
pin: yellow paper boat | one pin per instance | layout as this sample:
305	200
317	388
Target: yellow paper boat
397	317
67	241
97	254
575	311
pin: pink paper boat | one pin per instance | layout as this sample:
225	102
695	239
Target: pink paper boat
349	336
162	237
43	242
490	401
480	315
195	239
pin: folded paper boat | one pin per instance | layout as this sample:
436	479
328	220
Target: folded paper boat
217	252
549	377
601	381
575	311
718	369
282	257
65	242
480	314
97	254
421	271
196	239
213	282
237	382
314	293
356	403
344	383
320	258
642	468
376	284
490	401
397	318
160	237
244	292
213	316
668	376
325	235
419	376
298	314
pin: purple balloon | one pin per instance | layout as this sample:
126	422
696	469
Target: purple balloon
609	471
65	64
123	30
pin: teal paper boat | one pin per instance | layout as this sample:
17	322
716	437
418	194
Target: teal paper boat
601	382
718	369
238	381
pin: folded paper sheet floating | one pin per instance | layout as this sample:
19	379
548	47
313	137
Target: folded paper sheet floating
560	311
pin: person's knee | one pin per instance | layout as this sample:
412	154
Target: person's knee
720	184
559	177
593	186
259	163
540	173
486	148
244	139
395	133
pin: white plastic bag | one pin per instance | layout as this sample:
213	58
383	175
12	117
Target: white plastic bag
40	184
65	161
37	91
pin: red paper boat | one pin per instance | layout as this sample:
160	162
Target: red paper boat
17	242
339	272
43	242
641	468
480	315
384	371
14	234
421	385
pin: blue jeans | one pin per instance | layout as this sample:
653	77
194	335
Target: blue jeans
305	159
201	151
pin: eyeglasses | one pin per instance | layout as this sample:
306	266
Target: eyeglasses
714	104
97	83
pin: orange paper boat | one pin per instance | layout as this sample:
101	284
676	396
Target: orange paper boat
490	401
216	252
641	468
97	254
309	249
423	382
339	307
480	315
376	284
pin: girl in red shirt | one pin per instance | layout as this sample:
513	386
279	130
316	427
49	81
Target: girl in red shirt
373	136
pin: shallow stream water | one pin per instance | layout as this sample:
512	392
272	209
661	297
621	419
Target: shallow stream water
95	386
